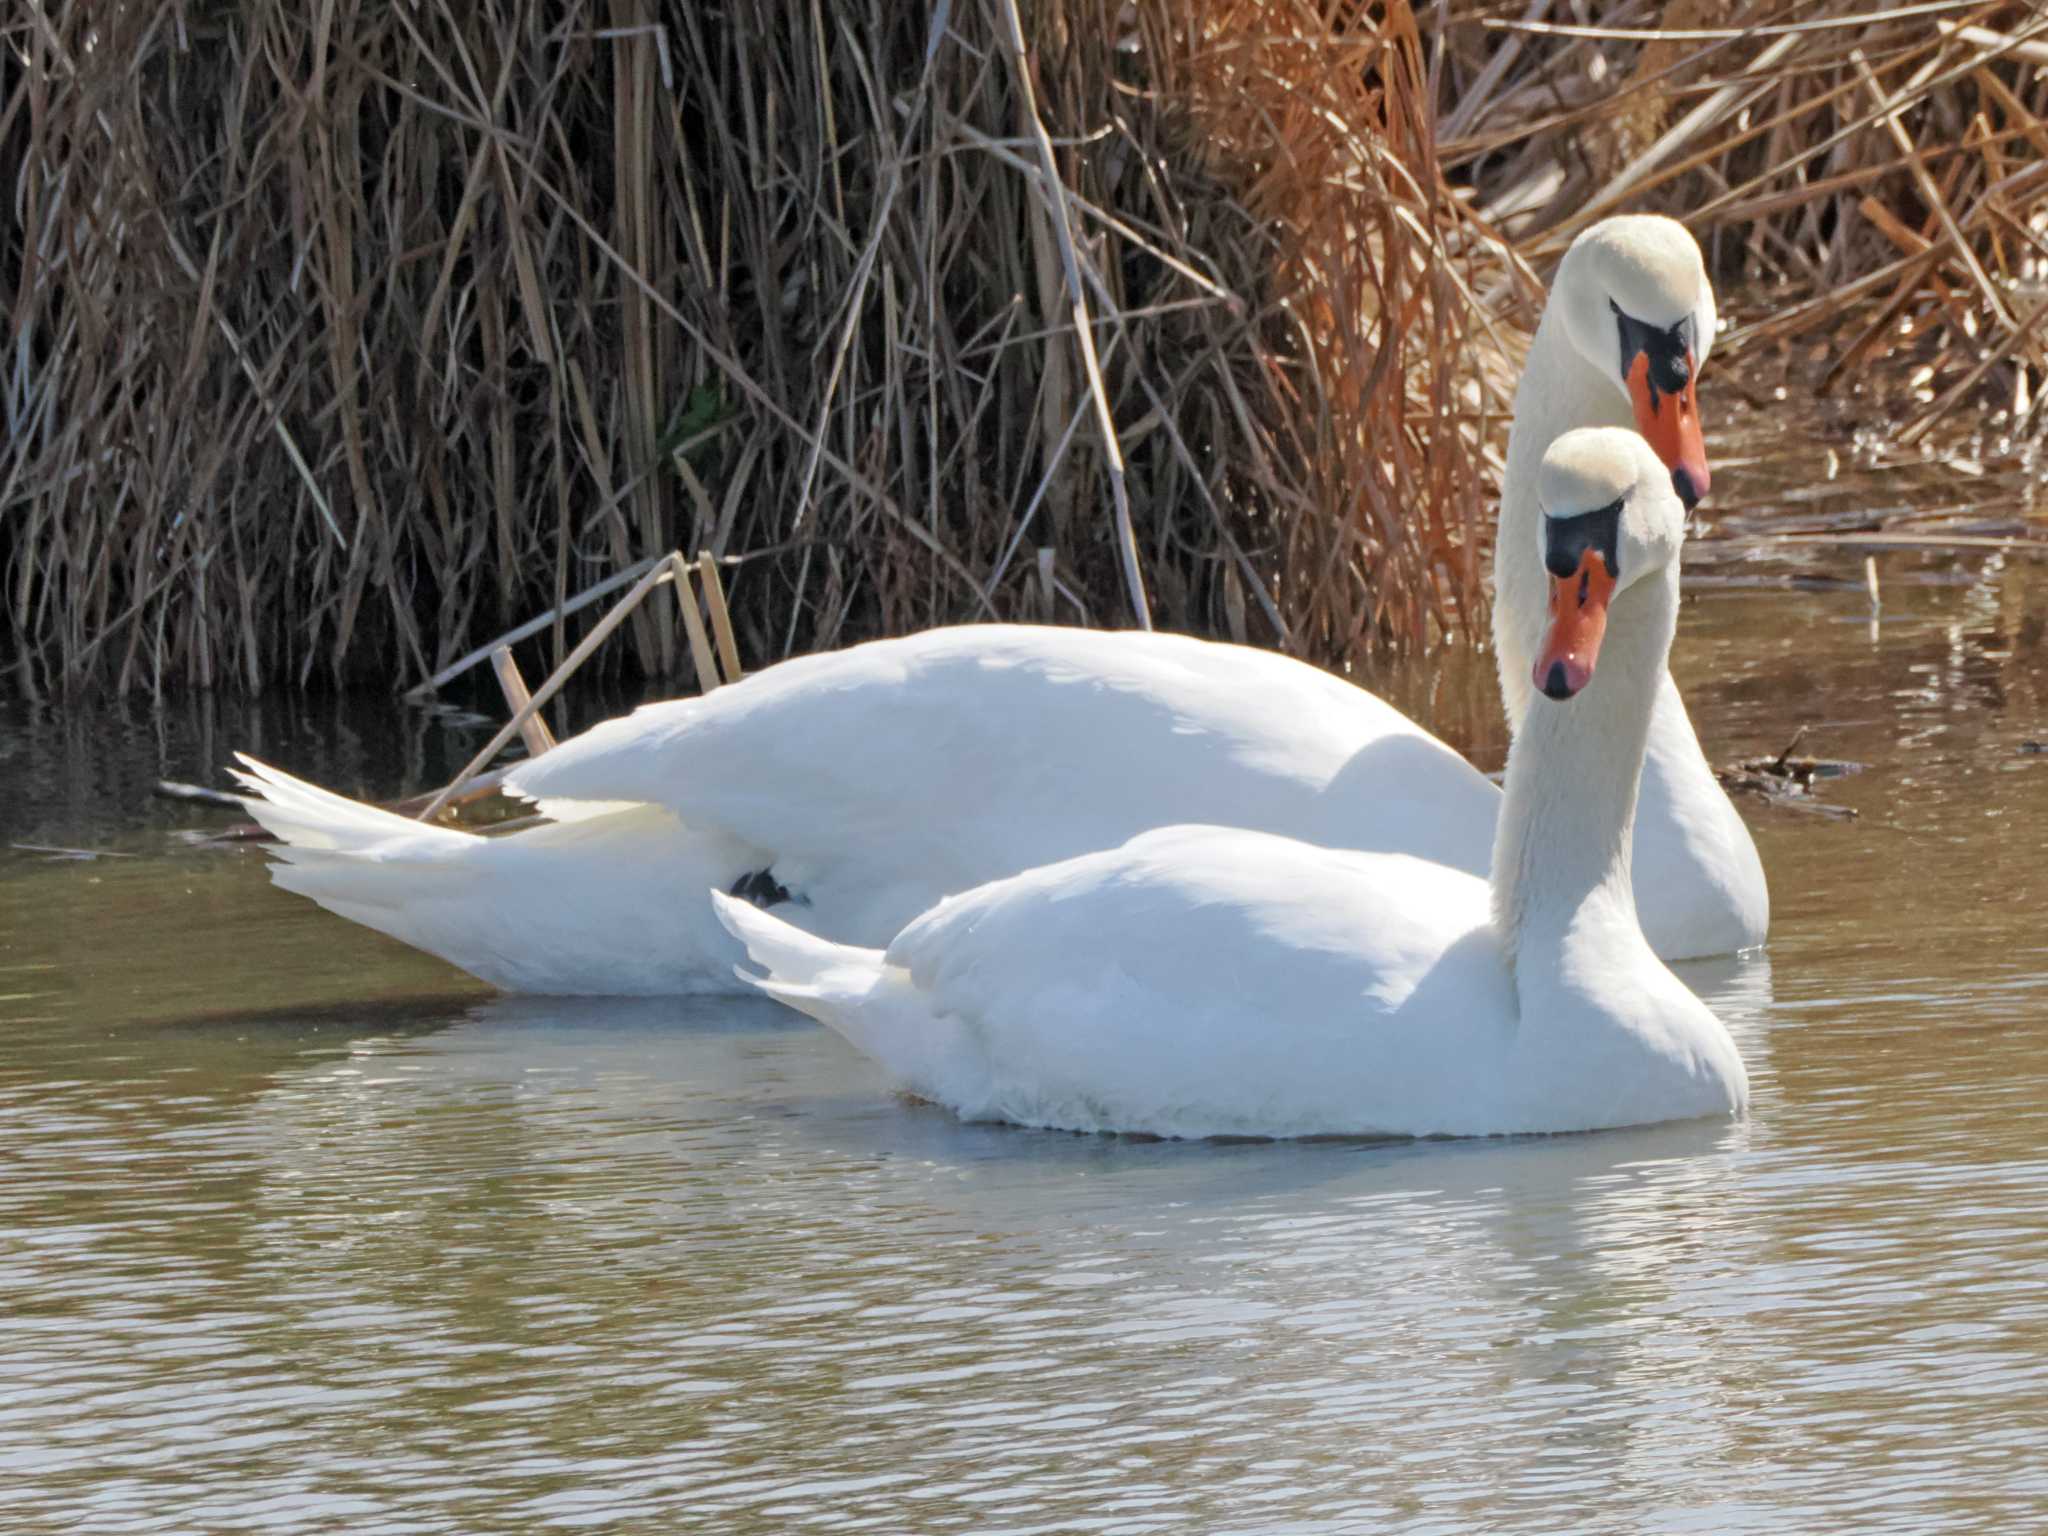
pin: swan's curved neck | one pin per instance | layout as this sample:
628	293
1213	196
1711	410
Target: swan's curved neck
1561	854
1560	390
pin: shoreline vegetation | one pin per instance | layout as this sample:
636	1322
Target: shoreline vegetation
341	339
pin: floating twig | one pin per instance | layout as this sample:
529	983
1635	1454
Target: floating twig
1788	781
1778	764
172	789
56	852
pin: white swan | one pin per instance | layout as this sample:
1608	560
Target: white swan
1632	306
1215	981
868	783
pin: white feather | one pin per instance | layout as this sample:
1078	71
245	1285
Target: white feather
609	901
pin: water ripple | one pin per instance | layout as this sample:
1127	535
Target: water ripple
444	1265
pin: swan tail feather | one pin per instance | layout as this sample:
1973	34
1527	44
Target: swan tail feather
308	820
860	996
812	975
606	902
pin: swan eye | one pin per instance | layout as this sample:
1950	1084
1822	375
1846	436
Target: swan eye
1566	540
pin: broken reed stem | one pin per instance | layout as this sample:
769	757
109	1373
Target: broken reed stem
671	568
535	732
721	617
531	627
526	722
1910	435
1715	108
693	624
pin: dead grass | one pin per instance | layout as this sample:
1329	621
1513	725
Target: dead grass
1876	170
342	338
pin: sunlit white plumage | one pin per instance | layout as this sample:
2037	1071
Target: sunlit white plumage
871	782
1700	885
1218	981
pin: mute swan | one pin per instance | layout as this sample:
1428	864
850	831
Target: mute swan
1215	981
867	783
1648	299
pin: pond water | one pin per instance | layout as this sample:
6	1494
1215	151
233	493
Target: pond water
301	1230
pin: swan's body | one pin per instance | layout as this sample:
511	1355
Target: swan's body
1210	981
1215	981
870	783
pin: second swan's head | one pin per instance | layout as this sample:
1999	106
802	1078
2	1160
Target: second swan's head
1638	306
1610	519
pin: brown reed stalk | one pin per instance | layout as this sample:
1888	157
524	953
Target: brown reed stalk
341	339
1799	141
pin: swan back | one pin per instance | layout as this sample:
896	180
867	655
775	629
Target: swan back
963	751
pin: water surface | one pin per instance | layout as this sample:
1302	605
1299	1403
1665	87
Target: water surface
299	1230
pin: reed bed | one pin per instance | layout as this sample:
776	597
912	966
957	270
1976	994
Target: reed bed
344	338
1880	169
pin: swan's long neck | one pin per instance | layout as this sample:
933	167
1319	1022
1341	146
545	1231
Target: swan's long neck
1561	853
1560	390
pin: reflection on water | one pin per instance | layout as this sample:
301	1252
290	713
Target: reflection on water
298	1230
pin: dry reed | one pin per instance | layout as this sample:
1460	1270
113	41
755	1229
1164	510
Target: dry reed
1877	170
344	338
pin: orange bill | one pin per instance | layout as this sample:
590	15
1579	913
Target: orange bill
1671	425
1578	620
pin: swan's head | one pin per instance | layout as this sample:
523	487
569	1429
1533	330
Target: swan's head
1637	306
1611	518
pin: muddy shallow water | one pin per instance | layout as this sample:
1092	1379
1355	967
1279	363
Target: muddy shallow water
301	1230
